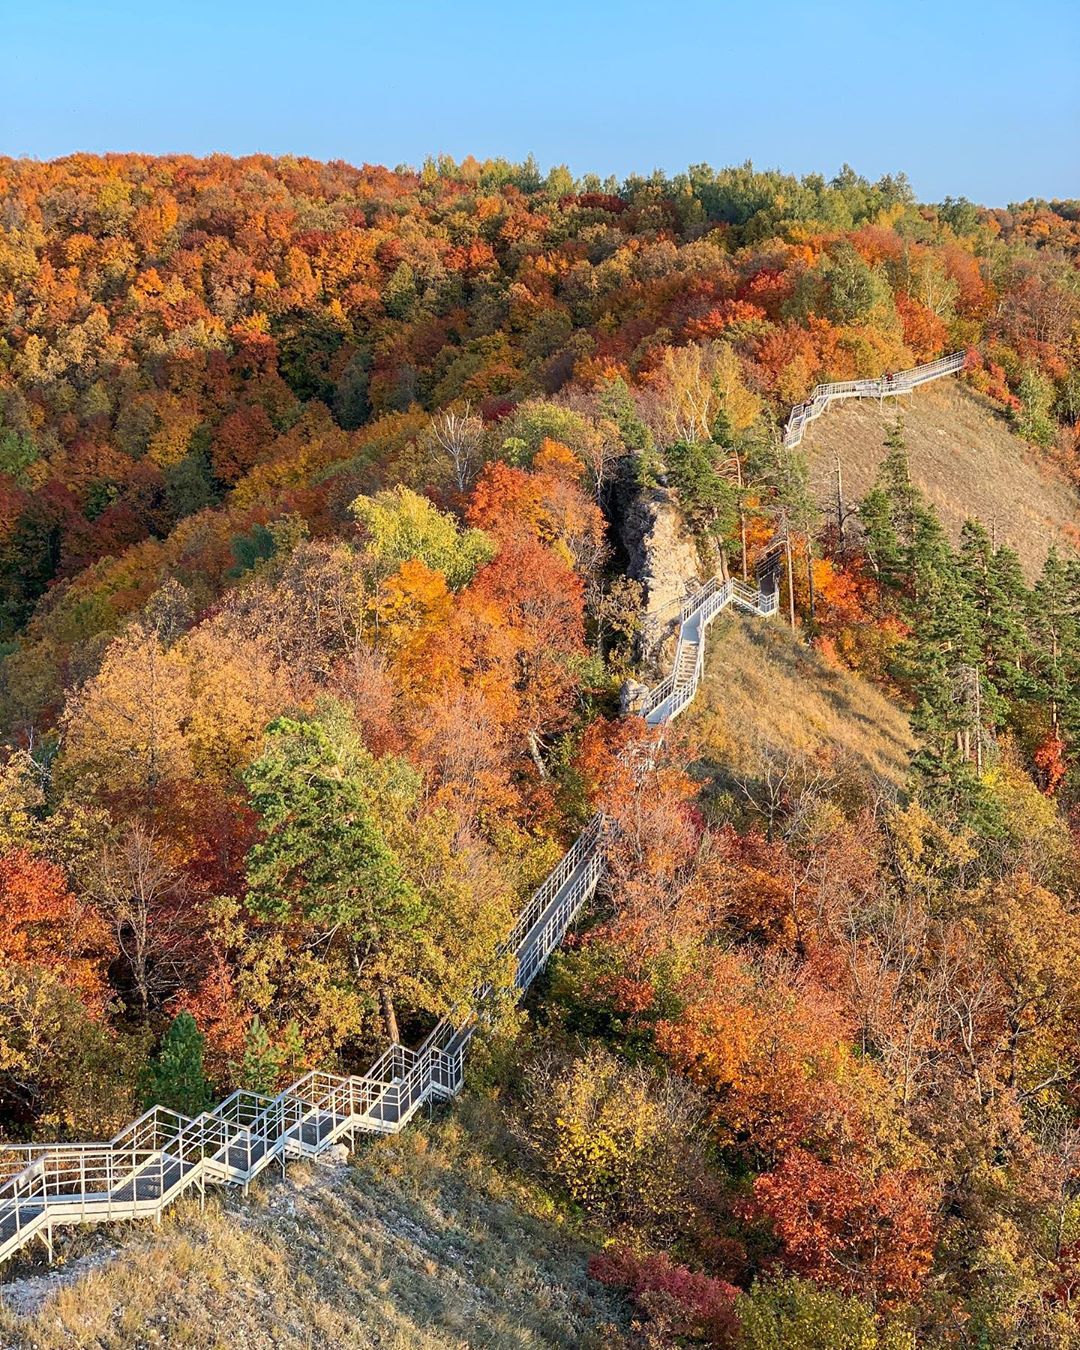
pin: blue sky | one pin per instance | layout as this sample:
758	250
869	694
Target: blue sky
973	99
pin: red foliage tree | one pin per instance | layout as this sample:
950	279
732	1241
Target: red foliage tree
864	1232
41	923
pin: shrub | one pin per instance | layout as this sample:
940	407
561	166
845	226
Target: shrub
796	1315
616	1139
678	1301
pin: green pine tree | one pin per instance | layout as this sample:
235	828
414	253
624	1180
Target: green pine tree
261	1064
617	403
891	514
324	859
709	500
721	430
994	589
941	662
1054	637
175	1077
1006	641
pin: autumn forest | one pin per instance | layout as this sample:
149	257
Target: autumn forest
317	617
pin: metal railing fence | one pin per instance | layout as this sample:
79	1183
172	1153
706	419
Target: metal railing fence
163	1153
886	386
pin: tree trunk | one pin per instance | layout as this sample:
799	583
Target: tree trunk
742	512
389	1015
534	751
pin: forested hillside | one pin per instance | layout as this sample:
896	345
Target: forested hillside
315	619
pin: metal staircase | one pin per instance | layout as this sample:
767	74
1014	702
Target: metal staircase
902	382
163	1154
675	693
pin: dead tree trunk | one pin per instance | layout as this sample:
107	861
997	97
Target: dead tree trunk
389	1013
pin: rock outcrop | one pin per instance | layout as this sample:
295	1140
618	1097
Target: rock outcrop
664	556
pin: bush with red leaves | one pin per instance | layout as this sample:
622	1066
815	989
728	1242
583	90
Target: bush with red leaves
678	1301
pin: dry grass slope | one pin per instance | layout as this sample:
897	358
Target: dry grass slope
421	1245
762	685
963	457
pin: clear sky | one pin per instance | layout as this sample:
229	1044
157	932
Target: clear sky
973	99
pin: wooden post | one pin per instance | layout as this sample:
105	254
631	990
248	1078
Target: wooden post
790	583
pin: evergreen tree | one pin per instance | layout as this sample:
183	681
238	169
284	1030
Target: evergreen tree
1006	642
942	659
955	706
1054	637
879	535
175	1078
324	861
929	565
617	403
261	1064
721	430
890	515
937	662
708	499
785	474
994	589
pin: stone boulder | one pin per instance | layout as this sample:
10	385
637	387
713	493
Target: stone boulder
632	697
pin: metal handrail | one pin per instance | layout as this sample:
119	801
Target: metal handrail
677	691
163	1153
885	386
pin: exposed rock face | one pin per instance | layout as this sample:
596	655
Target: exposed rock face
632	697
663	556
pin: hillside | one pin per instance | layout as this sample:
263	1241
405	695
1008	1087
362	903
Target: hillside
962	456
420	1244
763	686
314	622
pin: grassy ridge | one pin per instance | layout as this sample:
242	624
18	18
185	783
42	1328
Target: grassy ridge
421	1244
962	457
763	685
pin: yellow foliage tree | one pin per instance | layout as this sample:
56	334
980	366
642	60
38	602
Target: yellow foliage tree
236	690
692	384
125	727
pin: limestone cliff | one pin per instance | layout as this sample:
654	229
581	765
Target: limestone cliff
664	556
